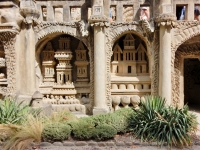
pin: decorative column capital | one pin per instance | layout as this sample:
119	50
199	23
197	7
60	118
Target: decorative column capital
167	19
7	35
99	21
29	11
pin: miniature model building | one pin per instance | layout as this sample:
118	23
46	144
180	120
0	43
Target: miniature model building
62	93
97	56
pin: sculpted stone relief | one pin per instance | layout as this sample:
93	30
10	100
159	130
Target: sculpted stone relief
75	14
10	17
128	14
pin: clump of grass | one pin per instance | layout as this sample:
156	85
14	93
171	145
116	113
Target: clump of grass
62	116
30	131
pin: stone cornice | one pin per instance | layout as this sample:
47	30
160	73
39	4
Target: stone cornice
166	20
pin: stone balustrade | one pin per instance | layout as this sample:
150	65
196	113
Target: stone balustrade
126	101
130	86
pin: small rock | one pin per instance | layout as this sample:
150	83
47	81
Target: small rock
101	143
92	143
120	143
110	143
68	144
81	143
45	144
129	143
57	144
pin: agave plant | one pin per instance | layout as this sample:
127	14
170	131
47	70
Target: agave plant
12	112
165	124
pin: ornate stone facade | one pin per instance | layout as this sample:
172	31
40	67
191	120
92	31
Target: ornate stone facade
96	56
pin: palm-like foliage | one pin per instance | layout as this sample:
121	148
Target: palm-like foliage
157	122
12	112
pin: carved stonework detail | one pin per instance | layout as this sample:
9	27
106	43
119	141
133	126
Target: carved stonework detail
46	28
8	40
155	68
128	14
166	20
118	29
109	53
75	14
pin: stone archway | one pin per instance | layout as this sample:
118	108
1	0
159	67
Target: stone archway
187	55
183	32
65	71
114	32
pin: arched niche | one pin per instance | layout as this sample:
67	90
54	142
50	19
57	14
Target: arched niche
55	67
130	75
186	85
130	50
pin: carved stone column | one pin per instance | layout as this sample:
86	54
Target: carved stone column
98	21
31	14
165	22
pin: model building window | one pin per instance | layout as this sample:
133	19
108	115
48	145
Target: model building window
181	12
129	69
196	13
144	13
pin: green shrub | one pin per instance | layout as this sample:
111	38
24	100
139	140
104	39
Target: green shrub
154	121
104	132
118	119
83	129
12	112
56	132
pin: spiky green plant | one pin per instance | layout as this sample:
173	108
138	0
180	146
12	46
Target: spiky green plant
12	112
155	121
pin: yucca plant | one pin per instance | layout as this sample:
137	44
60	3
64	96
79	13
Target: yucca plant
155	121
12	112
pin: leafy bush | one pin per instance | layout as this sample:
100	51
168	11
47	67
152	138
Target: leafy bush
56	132
83	129
118	119
157	122
12	112
104	132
